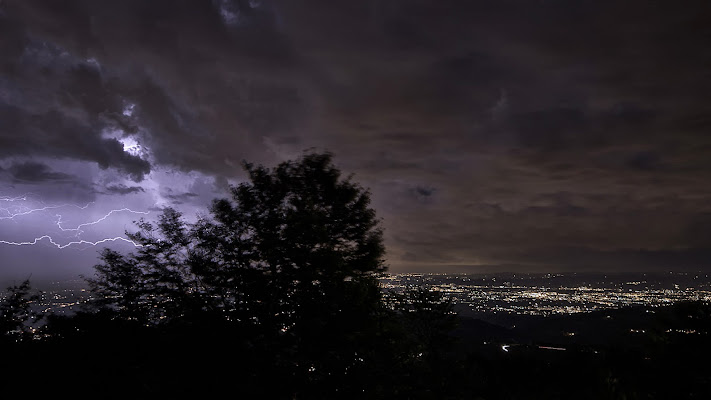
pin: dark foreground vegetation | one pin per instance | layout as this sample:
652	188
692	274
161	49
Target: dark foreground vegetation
274	294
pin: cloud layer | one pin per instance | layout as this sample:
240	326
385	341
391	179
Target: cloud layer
529	135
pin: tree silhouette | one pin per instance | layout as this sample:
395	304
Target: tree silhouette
291	261
119	285
295	253
16	312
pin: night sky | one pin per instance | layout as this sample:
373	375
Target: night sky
494	135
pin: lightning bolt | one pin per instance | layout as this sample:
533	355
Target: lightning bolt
22	209
64	246
78	228
27	211
17	198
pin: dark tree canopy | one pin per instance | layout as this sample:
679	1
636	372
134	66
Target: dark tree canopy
290	261
299	234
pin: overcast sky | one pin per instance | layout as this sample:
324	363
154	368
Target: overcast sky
494	135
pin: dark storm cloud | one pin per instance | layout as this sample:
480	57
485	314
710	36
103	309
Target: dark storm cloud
34	172
53	134
191	79
121	189
180	198
423	193
57	104
487	130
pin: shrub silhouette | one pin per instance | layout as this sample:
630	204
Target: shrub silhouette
16	313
